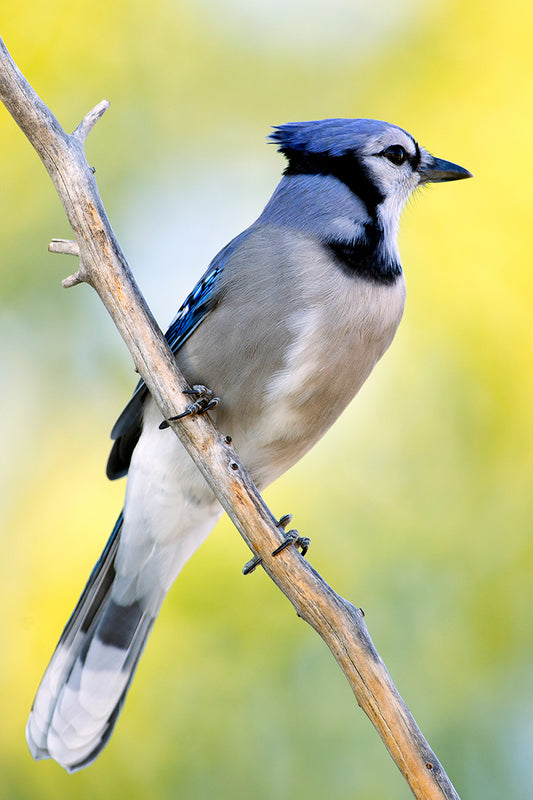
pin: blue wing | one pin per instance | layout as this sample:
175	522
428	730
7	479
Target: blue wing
198	304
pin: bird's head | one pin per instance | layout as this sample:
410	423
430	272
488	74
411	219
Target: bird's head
379	162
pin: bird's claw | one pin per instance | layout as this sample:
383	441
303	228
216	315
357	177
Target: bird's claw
292	537
205	402
284	521
199	390
199	407
251	565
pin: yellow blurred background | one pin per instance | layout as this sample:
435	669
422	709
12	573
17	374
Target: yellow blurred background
418	502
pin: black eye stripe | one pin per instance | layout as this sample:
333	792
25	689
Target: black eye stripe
414	160
347	168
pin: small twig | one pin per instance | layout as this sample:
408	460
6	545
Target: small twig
67	247
90	120
72	280
103	266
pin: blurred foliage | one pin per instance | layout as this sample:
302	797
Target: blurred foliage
418	501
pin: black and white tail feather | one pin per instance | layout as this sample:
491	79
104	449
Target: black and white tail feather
83	689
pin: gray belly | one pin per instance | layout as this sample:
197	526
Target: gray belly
328	359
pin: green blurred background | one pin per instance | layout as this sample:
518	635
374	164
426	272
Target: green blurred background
418	502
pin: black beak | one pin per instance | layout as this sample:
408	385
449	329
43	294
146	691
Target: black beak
437	170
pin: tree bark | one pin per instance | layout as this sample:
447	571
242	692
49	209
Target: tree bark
103	265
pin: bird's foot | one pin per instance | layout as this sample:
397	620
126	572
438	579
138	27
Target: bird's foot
292	537
205	402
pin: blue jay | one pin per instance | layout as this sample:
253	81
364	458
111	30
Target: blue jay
285	326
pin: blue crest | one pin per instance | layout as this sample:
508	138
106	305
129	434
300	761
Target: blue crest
334	137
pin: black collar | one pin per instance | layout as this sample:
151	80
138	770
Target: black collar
365	256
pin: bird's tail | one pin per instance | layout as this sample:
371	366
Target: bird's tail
83	689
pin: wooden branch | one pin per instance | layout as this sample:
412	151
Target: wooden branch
103	266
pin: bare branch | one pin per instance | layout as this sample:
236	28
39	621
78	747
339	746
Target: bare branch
103	266
90	120
67	247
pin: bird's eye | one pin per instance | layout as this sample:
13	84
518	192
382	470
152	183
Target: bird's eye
395	154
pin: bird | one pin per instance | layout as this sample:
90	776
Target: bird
284	327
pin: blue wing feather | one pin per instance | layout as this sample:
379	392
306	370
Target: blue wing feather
191	313
195	307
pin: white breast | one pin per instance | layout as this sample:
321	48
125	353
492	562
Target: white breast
340	345
337	341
